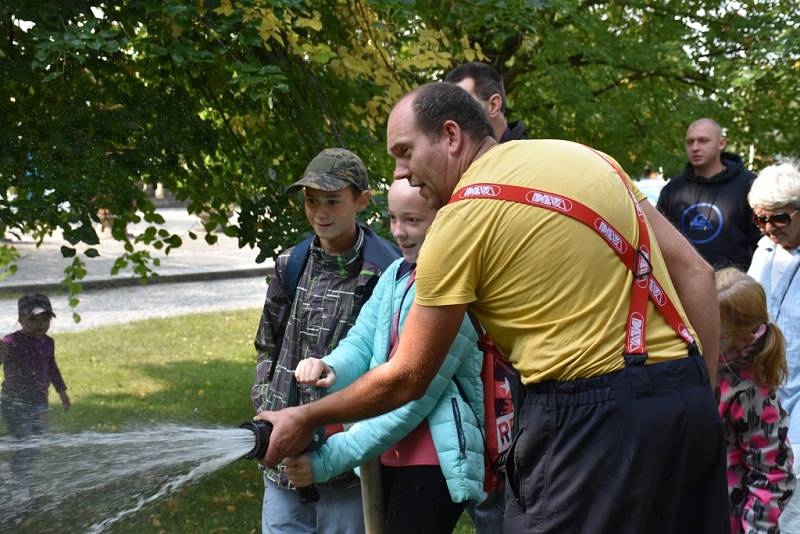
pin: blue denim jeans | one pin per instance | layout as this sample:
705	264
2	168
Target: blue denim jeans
338	511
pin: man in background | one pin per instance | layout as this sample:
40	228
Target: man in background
708	202
485	85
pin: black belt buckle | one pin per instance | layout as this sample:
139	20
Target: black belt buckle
634	360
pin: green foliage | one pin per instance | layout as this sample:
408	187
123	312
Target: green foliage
628	77
224	102
7	256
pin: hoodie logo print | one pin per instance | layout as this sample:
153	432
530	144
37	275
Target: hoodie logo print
701	222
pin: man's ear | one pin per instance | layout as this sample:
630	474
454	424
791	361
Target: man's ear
494	105
454	136
722	143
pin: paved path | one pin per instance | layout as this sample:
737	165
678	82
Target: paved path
124	304
215	277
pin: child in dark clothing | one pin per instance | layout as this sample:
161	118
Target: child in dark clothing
28	358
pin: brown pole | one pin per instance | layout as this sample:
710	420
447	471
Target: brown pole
372	496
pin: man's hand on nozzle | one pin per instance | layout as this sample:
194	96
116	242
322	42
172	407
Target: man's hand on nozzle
315	372
291	434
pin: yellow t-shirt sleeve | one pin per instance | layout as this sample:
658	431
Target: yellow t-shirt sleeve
448	268
637	194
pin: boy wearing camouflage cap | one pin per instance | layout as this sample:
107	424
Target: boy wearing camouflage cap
312	301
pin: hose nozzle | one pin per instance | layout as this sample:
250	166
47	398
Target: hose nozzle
262	431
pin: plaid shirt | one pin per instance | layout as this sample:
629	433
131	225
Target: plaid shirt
326	305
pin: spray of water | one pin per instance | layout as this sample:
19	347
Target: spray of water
87	482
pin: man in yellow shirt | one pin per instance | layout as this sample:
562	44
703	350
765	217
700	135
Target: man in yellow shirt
609	440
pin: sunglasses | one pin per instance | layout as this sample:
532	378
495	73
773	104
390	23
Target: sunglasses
778	220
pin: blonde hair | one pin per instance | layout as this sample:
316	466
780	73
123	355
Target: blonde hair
743	308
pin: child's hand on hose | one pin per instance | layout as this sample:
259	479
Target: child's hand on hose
298	469
315	372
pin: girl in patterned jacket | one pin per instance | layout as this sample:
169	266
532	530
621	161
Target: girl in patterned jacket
752	365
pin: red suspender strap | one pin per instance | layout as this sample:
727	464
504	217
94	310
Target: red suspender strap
636	259
636	326
668	311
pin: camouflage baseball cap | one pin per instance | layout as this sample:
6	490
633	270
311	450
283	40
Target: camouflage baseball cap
35	304
333	169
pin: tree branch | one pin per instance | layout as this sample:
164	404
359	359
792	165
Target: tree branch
318	96
10	33
375	42
638	76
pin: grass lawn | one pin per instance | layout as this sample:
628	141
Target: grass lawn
194	370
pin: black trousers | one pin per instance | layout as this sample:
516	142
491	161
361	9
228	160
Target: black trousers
417	500
641	450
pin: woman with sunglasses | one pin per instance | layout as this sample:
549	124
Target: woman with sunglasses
775	200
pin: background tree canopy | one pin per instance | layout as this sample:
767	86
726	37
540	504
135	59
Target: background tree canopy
225	102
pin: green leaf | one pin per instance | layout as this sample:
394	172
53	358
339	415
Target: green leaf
52	76
67	252
154	217
87	234
175	9
174	241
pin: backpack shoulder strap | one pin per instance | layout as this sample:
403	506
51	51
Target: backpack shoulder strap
365	292
295	265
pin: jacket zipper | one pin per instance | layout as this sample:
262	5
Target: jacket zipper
462	442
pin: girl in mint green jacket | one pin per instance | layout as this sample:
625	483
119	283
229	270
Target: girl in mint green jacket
428	447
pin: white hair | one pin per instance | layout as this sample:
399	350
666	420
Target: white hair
776	186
